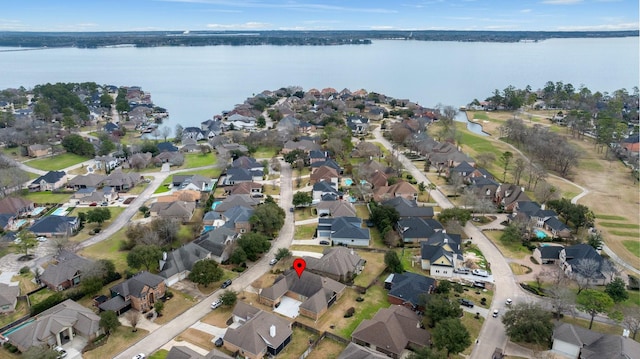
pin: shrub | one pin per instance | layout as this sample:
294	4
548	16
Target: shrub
238	269
350	312
24	270
168	294
359	299
533	260
634	283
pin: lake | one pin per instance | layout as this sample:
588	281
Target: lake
195	83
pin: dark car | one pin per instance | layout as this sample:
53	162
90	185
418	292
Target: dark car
325	243
226	283
219	342
93	204
466	302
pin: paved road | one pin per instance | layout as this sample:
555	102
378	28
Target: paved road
168	331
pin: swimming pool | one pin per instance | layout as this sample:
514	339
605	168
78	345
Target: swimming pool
59	212
540	234
215	204
19	223
36	211
348	181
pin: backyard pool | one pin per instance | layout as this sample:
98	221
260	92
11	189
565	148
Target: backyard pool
19	223
215	204
348	181
36	211
540	234
59	212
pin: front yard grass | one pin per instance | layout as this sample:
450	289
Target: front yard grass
304	213
308	248
194	160
56	163
197	337
119	340
218	317
175	306
513	250
270	190
109	249
473	325
265	152
47	197
89	227
160	354
305	231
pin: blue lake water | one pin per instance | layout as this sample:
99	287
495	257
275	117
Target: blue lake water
195	83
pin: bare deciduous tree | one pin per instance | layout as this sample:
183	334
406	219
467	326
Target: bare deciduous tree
546	192
563	300
631	320
133	316
586	270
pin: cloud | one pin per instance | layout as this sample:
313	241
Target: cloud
525	11
252	25
287	5
561	2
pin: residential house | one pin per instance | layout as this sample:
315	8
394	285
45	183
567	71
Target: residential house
532	212
391	331
557	228
247	163
324	173
359	125
122	182
38	150
189	145
251	188
573	256
234	176
172	158
212	219
186	195
50	181
379	179
408	289
109	127
260	335
225	150
463	170
66	271
234	200
441	254
212	125
193	133
338	263
316	156
326	163
238	219
8	297
508	195
239	122
176	265
139	292
304	145
316	293
346	231
355	351
183	352
335	209
180	210
409	208
15	206
56	326
400	189
484	188
547	254
106	162
166	147
413	230
574	342
55	226
193	182
326	190
93	180
90	195
218	243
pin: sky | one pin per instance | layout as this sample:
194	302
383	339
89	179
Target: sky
256	15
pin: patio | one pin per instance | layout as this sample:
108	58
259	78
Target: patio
288	307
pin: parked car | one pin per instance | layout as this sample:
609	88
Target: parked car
216	303
291	209
93	204
466	302
495	313
61	352
104	204
325	243
226	283
41	239
139	356
462	270
509	301
219	342
273	261
480	272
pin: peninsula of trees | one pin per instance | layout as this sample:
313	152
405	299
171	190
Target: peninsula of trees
289	38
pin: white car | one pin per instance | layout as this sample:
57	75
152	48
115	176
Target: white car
61	352
480	272
139	356
509	301
273	262
495	313
216	303
41	239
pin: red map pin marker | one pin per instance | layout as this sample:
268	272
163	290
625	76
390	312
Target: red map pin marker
299	265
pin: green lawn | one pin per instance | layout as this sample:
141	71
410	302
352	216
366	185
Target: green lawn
374	299
109	249
625	234
480	116
265	152
193	160
632	246
160	354
610	217
56	163
305	231
618	225
47	197
513	250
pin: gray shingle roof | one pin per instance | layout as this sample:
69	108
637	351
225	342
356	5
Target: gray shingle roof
182	259
410	286
355	351
134	285
68	265
50	177
254	335
408	208
336	261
